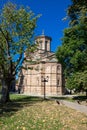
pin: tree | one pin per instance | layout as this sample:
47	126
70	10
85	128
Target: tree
16	35
74	10
78	81
73	52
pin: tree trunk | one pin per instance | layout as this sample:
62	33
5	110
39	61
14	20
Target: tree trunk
5	92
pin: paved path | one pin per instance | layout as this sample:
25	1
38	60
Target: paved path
73	105
78	107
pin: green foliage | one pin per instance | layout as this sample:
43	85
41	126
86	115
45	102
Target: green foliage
73	52
77	81
16	34
74	10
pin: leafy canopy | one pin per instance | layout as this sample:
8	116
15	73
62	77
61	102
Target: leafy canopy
73	52
16	35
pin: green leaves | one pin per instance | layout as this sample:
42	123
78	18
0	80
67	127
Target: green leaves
75	9
73	52
77	81
16	34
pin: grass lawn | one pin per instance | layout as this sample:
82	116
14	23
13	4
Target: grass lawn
30	113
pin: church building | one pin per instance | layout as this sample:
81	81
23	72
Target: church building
44	78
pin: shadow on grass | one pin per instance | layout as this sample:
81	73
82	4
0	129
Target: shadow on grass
17	102
61	98
80	98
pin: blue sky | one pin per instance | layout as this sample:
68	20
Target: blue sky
53	11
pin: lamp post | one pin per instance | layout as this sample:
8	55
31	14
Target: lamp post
44	79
